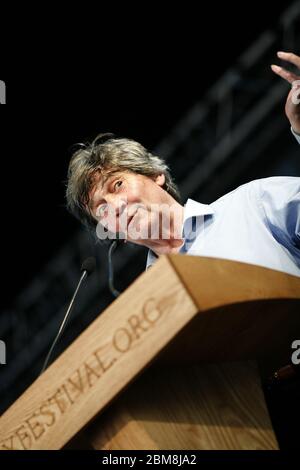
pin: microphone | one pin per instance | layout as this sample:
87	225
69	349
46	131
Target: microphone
87	267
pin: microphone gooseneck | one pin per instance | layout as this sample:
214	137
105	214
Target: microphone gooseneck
87	268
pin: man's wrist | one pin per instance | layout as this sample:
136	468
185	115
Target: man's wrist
297	136
297	132
296	128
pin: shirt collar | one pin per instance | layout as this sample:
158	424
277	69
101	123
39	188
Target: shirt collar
192	208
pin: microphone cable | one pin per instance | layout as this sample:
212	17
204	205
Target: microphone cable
111	249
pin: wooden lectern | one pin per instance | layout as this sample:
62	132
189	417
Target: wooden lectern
170	364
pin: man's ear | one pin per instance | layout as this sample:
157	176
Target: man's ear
160	179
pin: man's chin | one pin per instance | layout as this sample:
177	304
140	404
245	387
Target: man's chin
136	238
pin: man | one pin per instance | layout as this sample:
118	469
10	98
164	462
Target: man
118	186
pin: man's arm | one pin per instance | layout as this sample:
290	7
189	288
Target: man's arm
292	106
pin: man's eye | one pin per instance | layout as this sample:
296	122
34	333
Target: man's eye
117	184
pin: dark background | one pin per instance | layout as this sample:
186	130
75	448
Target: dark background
67	81
71	75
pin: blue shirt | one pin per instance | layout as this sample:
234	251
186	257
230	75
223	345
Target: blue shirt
257	223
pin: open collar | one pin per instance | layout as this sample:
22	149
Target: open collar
192	208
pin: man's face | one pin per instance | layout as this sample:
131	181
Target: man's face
131	204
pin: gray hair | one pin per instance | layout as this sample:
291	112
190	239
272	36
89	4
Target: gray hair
108	154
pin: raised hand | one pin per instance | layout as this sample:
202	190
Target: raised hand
292	106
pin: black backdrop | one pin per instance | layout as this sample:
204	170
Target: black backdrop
133	72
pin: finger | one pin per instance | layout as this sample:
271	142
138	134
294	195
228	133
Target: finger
289	57
285	74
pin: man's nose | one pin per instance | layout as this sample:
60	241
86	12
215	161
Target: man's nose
117	205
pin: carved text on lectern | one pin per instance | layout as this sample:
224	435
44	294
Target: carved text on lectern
92	369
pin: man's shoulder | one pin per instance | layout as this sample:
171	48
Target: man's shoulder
258	186
245	188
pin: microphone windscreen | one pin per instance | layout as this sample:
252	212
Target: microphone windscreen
88	265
